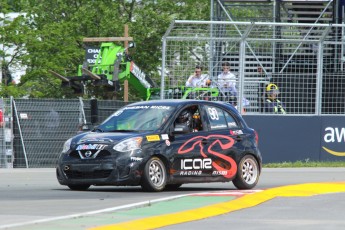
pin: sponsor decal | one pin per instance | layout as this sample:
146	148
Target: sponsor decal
218	126
236	132
223	141
153	138
217	173
160	107
232	124
95	140
137	107
91	147
204	163
190	173
167	142
165	137
334	135
136	159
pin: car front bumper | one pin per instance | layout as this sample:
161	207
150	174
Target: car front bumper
98	173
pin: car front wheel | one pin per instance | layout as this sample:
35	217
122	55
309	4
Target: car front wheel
248	173
155	175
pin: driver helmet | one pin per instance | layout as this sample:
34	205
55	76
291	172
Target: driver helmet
185	117
272	88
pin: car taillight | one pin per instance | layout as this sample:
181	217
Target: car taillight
256	137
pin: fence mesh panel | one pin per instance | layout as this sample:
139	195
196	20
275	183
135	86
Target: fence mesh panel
34	130
6	137
306	62
41	126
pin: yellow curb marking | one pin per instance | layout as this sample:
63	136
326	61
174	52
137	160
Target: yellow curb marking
246	201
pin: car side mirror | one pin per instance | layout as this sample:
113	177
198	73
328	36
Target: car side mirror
180	129
84	128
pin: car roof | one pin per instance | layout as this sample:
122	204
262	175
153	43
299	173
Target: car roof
185	102
176	102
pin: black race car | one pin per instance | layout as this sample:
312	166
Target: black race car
163	144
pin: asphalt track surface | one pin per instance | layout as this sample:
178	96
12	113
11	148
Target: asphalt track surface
304	198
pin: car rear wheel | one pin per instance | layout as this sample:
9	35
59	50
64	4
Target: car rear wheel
248	173
155	175
79	187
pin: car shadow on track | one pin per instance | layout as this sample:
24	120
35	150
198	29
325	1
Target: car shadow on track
139	189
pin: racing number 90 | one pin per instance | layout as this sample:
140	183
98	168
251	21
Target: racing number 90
213	113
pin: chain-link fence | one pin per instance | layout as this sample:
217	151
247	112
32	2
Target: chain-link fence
33	131
6	137
41	126
305	61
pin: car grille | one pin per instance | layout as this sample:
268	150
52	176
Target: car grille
89	154
88	175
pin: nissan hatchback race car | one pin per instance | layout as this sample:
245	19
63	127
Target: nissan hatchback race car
164	144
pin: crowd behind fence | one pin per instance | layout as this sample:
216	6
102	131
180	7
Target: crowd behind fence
305	61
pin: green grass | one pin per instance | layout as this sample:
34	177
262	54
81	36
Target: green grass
306	163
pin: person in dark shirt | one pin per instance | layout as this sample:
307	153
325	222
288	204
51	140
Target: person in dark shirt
272	103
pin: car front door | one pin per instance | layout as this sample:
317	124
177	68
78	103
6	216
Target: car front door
187	151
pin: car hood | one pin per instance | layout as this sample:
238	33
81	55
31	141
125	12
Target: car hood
94	137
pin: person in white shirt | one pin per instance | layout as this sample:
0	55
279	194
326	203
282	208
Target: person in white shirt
227	80
197	79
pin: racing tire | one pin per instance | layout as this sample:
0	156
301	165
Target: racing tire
154	176
248	173
172	187
79	187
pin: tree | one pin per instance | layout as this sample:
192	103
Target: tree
52	34
11	48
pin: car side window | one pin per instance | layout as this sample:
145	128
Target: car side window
216	117
220	119
230	120
190	116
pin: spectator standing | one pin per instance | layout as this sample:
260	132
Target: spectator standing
272	103
198	79
227	81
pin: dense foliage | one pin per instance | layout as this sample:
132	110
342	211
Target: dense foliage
48	36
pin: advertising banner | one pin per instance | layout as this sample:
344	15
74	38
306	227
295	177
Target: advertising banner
332	138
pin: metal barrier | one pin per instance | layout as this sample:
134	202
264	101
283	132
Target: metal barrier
40	128
34	130
6	135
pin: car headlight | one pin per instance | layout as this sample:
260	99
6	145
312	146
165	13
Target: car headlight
129	144
67	145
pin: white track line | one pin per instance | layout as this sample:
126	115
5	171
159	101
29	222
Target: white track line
123	207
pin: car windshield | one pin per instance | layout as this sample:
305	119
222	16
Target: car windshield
137	118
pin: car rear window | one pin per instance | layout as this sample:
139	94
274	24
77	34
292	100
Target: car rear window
220	119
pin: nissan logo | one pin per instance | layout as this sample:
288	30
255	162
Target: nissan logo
88	153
